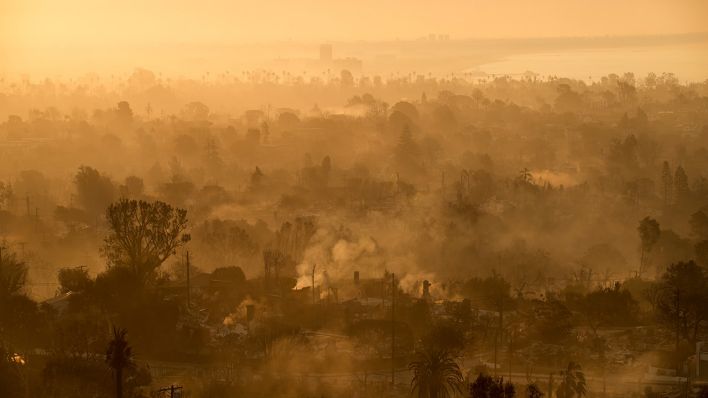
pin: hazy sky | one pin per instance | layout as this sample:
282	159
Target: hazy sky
94	22
62	37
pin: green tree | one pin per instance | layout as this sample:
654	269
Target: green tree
701	249
346	78
626	90
609	307
525	178
549	321
195	111
123	113
13	274
74	280
533	391
486	386
407	154
446	337
679	299
6	195
572	382
76	377
497	292
699	225
668	182
132	188
681	189
493	293
567	100
94	190
143	235
435	374
649	232
119	357
20	320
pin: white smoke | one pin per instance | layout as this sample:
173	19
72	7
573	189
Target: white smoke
335	255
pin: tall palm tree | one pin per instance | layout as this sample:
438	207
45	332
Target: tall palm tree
572	382
435	374
119	356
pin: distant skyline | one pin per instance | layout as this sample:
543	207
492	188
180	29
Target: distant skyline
39	23
48	37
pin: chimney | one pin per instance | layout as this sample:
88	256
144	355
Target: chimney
356	277
426	289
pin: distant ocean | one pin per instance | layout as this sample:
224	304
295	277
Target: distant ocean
689	62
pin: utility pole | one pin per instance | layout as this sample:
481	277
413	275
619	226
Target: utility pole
496	336
314	266
188	287
511	354
442	184
393	330
603	363
678	325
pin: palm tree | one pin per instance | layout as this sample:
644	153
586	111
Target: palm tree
119	357
435	374
572	382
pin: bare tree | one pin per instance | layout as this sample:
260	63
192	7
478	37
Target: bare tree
143	235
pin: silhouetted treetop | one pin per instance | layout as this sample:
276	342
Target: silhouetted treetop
143	234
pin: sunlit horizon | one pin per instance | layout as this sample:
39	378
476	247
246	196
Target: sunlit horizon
354	199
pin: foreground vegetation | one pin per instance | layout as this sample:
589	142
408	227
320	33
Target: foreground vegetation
489	238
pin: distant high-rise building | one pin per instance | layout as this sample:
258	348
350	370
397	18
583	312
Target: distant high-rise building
326	52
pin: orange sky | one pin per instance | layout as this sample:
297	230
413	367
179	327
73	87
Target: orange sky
94	22
45	31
